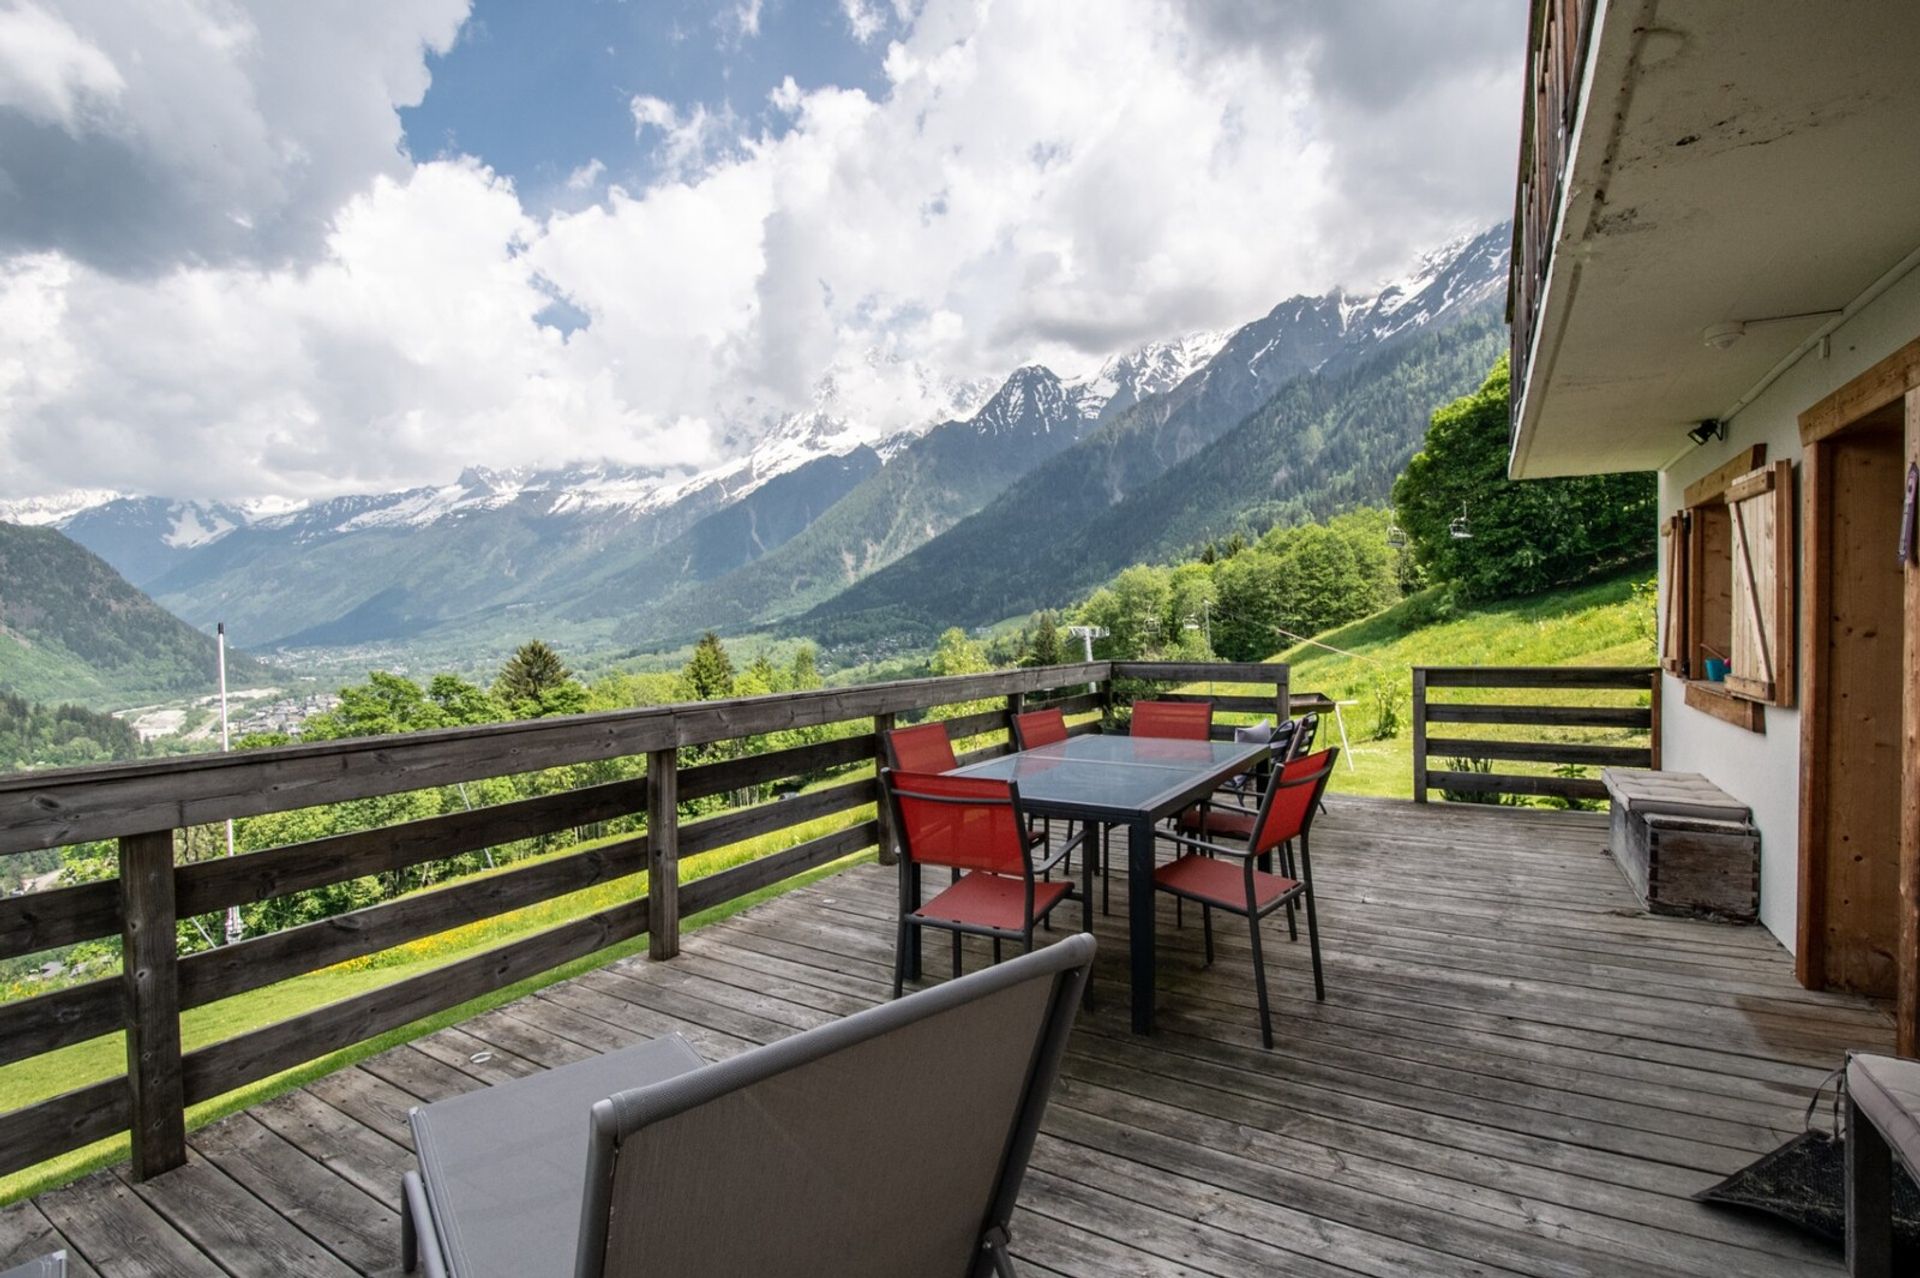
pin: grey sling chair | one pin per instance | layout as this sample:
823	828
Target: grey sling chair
892	1142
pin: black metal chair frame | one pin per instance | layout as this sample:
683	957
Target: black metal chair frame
1253	912
908	932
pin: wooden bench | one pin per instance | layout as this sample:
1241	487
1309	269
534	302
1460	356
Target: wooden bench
1883	1123
1687	846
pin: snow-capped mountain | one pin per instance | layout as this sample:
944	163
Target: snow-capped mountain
39	512
1124	380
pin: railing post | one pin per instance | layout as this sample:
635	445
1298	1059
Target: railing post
1106	701
663	853
1283	695
149	974
1653	728
889	853
1419	734
1016	704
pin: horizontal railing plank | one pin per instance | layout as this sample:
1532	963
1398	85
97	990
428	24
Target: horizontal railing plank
35	921
1607	756
73	805
30	1026
1638	678
35	1133
731	884
1511	783
277	956
733	827
1188	671
1544	716
209	886
707	779
220	1067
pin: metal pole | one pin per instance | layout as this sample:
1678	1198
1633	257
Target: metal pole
235	930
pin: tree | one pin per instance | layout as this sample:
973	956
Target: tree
1046	648
956	654
1526	536
708	674
532	671
803	672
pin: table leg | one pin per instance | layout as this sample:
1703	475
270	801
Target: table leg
1869	1198
912	871
1140	921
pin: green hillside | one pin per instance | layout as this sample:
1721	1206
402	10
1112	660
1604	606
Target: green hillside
1142	489
1609	623
73	630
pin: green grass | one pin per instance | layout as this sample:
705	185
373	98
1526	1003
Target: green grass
40	1077
1602	624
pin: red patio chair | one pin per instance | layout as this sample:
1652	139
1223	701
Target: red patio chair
1039	727
1205	872
922	748
973	826
1179	720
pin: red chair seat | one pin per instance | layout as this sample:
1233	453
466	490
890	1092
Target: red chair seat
1221	882
991	900
1219	822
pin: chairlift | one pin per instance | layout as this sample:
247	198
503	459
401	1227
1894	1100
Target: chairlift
1459	529
1396	537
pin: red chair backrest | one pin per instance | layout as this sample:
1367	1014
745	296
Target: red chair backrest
967	823
1291	798
1039	727
923	748
1182	720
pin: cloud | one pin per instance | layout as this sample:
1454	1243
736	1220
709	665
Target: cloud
49	72
145	132
228	278
864	18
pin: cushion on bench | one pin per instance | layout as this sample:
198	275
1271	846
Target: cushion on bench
1686	794
1887	1090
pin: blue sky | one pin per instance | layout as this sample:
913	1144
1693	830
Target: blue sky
538	91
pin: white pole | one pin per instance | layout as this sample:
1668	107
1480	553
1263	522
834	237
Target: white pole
234	928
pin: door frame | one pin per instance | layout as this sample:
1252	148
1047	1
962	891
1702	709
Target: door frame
1893	379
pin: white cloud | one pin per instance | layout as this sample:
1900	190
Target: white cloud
864	18
313	312
49	72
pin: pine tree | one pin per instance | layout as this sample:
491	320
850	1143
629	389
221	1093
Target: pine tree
1046	649
708	674
803	675
533	671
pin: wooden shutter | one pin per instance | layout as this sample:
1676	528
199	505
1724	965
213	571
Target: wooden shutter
1673	597
1761	504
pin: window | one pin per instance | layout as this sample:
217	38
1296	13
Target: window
1729	589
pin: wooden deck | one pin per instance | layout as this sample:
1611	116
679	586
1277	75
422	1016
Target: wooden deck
1515	1072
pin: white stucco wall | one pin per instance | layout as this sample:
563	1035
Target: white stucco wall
1764	771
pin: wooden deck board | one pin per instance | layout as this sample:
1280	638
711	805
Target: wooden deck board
1515	1072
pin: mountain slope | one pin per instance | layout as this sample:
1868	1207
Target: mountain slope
927	487
72	629
1076	519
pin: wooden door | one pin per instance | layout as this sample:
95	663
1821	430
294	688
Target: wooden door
1859	925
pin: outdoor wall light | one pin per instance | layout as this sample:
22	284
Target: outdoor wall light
1708	428
1720	336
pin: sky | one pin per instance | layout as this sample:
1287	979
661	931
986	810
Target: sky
298	250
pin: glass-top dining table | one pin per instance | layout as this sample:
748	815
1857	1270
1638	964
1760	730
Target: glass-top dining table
1113	780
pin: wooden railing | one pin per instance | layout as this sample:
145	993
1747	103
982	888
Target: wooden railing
1565	753
145	805
1556	60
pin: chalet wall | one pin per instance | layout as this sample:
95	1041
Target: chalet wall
1763	771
